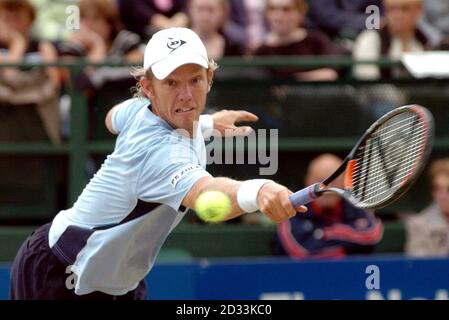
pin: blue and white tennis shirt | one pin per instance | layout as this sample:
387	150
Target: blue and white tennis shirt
114	231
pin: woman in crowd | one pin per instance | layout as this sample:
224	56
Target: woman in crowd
21	86
101	36
288	37
428	231
400	34
207	19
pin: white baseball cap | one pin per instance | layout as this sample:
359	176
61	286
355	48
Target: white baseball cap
171	48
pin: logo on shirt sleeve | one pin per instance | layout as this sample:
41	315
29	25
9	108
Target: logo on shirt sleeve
182	173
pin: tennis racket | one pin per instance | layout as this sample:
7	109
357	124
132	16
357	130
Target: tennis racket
383	164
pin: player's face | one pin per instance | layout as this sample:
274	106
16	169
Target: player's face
283	17
440	192
181	97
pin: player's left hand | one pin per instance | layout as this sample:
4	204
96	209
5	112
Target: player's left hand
225	122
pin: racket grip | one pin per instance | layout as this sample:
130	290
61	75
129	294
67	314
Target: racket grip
305	195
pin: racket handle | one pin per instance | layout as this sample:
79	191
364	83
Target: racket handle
305	195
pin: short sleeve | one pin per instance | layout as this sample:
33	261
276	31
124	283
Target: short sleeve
126	111
169	171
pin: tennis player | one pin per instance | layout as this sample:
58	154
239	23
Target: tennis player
104	246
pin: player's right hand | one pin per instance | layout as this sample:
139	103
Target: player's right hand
273	201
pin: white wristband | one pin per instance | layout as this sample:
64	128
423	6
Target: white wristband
206	125
247	194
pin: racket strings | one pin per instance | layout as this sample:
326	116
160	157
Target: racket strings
400	125
375	196
388	139
372	190
388	179
360	174
381	185
388	158
399	177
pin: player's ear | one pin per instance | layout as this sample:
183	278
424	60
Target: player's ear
209	86
210	79
147	88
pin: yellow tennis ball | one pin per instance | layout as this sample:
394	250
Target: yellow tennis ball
213	206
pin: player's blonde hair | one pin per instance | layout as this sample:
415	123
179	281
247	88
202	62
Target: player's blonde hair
141	73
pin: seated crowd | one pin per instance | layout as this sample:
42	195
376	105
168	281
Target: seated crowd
116	31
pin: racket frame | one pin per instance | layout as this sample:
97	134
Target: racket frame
314	191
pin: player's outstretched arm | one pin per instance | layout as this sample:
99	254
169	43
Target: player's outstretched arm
270	198
225	122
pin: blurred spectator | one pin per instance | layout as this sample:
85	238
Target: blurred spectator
51	19
428	231
287	37
146	17
340	18
256	27
28	112
19	87
435	22
101	36
235	28
207	18
400	34
332	227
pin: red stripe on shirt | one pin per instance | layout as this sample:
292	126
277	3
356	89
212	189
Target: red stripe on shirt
346	233
296	250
